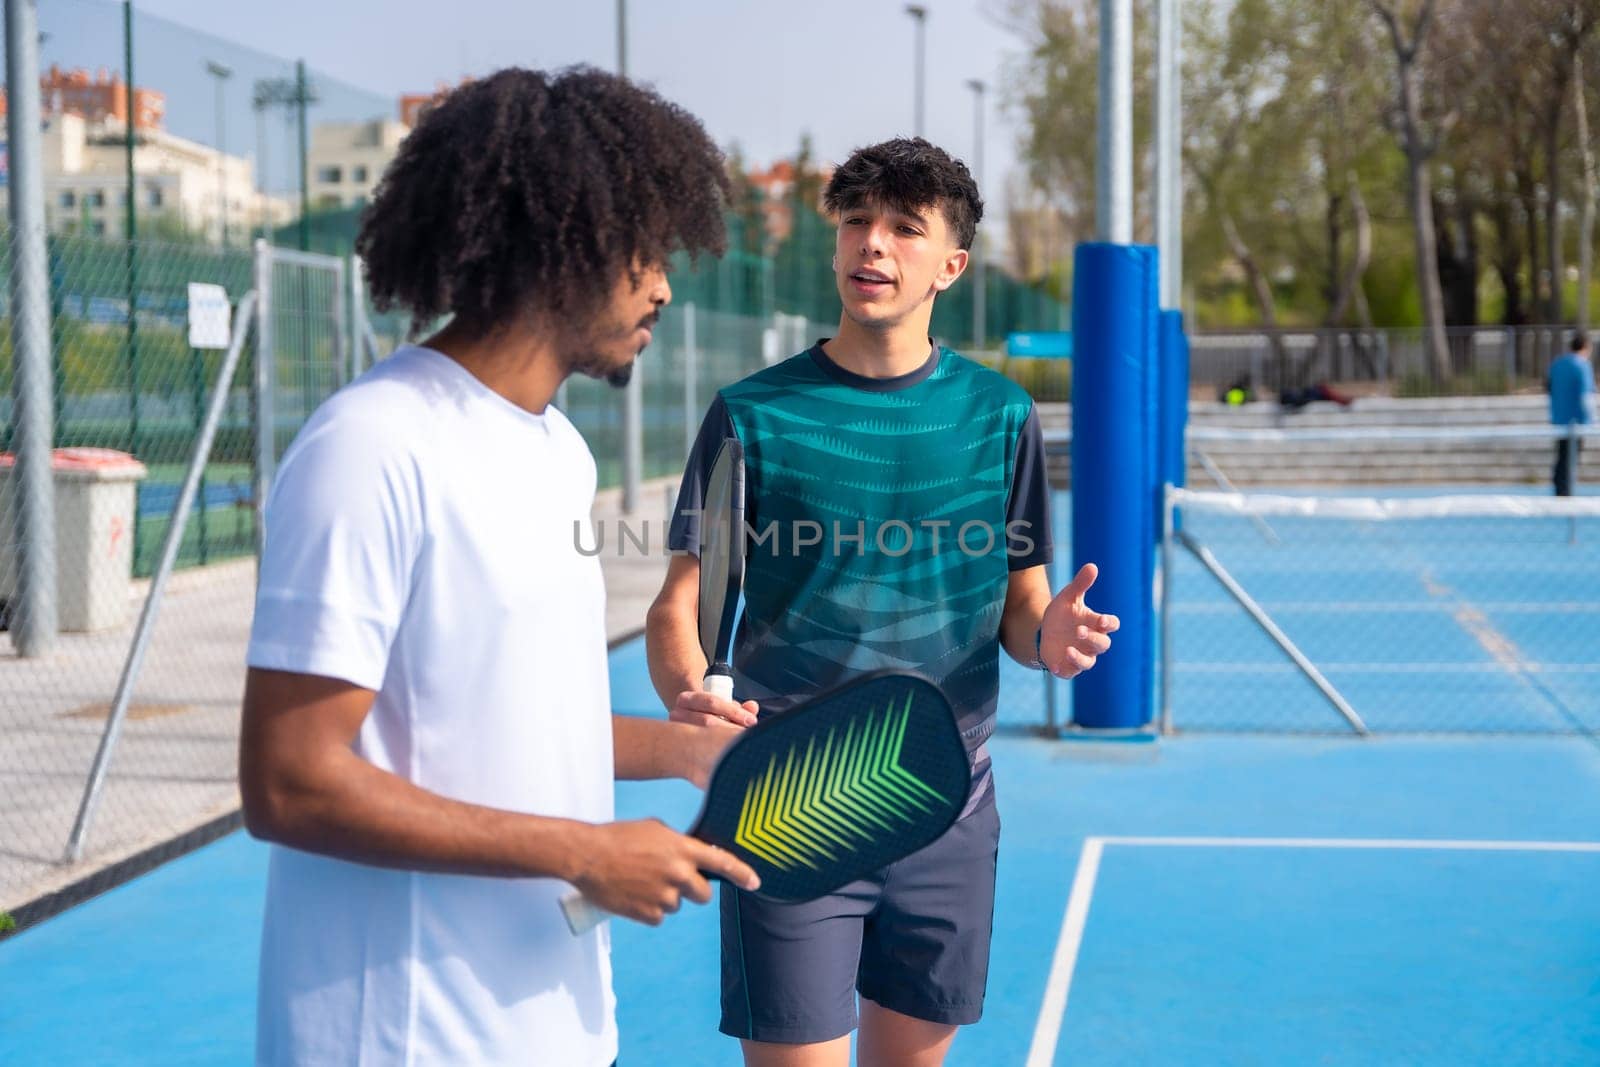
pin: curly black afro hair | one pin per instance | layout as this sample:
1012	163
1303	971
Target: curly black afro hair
537	191
908	174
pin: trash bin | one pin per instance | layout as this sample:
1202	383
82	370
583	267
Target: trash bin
94	491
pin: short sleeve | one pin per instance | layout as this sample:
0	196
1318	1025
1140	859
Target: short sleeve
343	535
1028	538
683	534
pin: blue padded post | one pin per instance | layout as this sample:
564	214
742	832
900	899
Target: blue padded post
1115	471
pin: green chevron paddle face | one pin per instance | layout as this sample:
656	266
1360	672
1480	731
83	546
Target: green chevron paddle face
840	786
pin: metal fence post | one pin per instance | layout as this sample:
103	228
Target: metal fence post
266	447
158	581
357	319
1052	684
632	439
34	616
341	328
691	368
197	381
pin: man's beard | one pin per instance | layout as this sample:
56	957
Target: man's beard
584	357
587	359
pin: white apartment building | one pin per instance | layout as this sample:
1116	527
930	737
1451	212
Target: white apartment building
346	159
85	182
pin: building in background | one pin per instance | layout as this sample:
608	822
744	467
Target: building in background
776	189
183	189
346	159
96	99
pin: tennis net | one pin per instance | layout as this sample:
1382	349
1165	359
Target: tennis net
1460	612
1380	455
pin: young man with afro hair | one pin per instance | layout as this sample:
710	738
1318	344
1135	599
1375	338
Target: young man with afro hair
899	517
427	735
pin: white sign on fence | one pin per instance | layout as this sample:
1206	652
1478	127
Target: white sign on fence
209	316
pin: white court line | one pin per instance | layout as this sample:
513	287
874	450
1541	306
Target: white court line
1054	1010
1357	842
1047	1031
1364	667
1398	607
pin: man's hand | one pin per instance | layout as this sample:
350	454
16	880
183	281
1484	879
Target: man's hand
699	708
1072	635
642	870
705	748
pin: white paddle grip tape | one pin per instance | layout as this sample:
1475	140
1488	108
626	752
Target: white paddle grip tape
720	685
582	916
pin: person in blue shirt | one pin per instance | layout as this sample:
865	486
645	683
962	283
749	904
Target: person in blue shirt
1572	402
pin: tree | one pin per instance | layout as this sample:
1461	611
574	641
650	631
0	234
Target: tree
747	232
1056	89
1586	196
1566	24
807	191
1418	144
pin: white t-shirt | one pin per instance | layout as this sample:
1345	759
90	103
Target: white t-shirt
420	543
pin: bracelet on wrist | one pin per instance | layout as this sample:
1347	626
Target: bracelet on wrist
1038	663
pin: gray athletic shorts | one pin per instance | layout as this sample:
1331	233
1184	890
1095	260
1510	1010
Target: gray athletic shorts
913	938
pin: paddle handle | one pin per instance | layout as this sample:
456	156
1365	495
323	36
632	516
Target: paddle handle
582	915
719	681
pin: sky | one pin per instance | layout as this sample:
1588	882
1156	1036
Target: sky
758	73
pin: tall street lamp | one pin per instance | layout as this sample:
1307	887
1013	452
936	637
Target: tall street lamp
980	293
919	13
221	74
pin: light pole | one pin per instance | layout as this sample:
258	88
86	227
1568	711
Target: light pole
1169	150
1113	185
221	74
293	95
980	287
622	37
920	14
633	392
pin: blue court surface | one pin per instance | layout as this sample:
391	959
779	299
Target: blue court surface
1199	899
161	498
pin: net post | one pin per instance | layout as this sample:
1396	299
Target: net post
1115	487
1166	609
1572	477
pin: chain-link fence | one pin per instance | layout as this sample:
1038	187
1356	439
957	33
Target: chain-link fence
133	382
121	726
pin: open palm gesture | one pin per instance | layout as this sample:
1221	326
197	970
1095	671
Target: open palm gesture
1072	634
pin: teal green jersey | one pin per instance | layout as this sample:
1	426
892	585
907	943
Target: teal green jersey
883	518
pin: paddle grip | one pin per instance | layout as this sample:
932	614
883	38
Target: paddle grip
719	682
